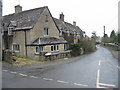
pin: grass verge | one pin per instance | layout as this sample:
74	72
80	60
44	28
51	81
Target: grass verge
111	47
23	61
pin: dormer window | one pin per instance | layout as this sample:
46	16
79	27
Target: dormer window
13	23
60	32
68	32
60	27
78	34
10	30
74	33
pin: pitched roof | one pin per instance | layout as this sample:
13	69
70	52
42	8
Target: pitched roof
25	19
65	26
48	41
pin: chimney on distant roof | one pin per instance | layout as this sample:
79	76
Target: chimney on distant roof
61	17
18	9
74	23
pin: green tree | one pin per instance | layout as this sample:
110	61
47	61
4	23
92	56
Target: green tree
113	37
118	37
75	47
94	36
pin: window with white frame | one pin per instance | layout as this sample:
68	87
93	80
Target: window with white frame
60	27
60	32
65	46
15	47
46	31
10	30
55	48
68	32
39	49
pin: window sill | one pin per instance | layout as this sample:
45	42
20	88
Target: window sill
16	51
39	53
46	35
55	51
10	34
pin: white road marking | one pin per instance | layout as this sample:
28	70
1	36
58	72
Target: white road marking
98	75
5	70
61	81
22	74
99	63
13	72
33	77
48	79
77	84
107	84
118	67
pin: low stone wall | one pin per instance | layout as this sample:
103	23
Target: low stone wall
10	56
7	56
58	56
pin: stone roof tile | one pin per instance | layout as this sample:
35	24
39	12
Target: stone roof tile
23	19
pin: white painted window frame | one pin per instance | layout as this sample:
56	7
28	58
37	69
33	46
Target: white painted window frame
65	46
39	49
10	30
56	47
13	47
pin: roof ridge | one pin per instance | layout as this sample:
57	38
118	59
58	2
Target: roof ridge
66	22
26	11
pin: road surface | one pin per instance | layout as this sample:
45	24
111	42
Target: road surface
95	70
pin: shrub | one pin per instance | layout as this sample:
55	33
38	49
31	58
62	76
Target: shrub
87	45
75	49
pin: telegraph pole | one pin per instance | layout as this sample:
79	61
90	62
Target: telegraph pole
0	44
104	35
0	30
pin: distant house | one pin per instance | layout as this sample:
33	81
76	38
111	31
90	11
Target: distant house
34	34
70	32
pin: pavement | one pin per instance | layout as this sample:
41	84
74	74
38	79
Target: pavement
95	70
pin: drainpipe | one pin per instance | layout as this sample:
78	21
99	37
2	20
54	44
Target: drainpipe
25	44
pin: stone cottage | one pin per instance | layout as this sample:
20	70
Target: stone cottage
34	34
70	32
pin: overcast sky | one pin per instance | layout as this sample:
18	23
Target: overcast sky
90	15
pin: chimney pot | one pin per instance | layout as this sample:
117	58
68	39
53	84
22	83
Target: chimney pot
61	17
18	9
74	23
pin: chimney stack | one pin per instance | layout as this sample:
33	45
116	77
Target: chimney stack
61	17
18	9
74	23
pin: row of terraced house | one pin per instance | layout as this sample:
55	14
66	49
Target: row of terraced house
36	34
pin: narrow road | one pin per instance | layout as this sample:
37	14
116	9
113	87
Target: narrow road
96	70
